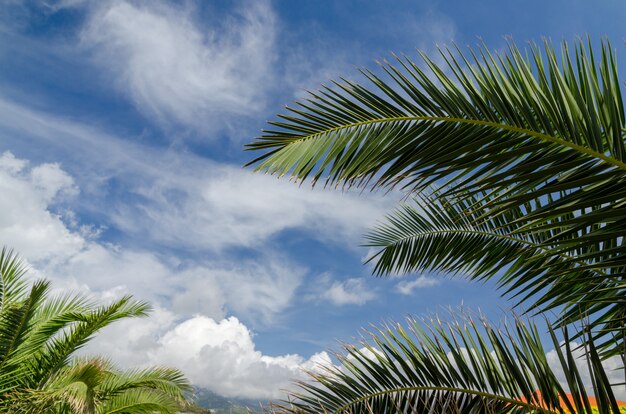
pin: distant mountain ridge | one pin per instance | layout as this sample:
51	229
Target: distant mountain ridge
208	399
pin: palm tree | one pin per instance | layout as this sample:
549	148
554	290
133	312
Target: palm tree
94	385
516	163
39	335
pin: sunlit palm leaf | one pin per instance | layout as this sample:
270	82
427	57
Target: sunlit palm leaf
12	285
539	135
94	385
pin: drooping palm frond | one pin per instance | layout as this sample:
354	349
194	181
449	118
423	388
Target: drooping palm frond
541	135
142	401
461	366
434	235
94	385
87	386
488	120
59	348
160	379
149	390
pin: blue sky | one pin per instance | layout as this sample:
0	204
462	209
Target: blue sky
122	125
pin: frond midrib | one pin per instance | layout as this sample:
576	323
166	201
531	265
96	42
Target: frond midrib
538	409
541	136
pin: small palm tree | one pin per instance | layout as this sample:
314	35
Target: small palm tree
517	165
94	385
39	335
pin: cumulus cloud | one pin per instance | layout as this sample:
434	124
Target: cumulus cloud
349	292
406	287
214	351
181	73
26	223
222	357
218	354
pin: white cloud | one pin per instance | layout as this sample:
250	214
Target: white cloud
222	356
181	73
261	292
228	206
217	354
26	224
258	288
204	205
349	292
164	206
406	287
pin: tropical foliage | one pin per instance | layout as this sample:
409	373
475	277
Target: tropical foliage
462	366
517	163
39	335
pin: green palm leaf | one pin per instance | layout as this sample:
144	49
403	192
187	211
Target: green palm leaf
12	285
58	349
508	126
530	145
38	338
461	366
436	236
94	385
169	381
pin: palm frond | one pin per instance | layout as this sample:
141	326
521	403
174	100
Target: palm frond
434	235
170	381
461	366
58	349
496	113
12	285
16	323
540	134
518	127
142	401
39	335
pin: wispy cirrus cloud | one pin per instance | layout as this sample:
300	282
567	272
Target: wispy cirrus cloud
205	205
179	73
